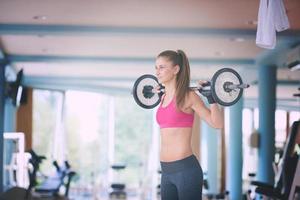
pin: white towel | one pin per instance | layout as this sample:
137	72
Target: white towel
271	18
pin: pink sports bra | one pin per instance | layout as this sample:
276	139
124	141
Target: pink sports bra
169	117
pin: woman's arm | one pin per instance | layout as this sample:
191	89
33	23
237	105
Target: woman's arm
213	115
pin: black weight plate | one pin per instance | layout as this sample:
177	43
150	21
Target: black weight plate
142	91
219	93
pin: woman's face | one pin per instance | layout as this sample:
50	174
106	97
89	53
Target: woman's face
165	70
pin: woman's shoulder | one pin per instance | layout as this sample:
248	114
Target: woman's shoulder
194	101
192	96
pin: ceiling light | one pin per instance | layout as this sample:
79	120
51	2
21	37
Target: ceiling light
218	53
293	59
237	39
251	22
40	17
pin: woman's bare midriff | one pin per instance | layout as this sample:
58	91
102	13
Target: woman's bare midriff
175	144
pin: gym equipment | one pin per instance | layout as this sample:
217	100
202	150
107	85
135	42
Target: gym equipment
212	196
287	169
52	184
35	162
17	166
226	87
118	188
143	91
295	188
250	193
48	188
158	188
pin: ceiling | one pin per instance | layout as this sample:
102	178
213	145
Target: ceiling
104	46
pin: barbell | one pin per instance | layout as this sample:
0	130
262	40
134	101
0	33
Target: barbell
226	87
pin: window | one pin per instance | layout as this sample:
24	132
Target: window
44	122
280	127
294	116
86	132
249	153
133	128
256	118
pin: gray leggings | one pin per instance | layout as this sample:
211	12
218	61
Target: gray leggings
181	179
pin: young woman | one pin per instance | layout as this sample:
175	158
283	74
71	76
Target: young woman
181	172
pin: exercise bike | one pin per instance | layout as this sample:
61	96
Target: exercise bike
50	185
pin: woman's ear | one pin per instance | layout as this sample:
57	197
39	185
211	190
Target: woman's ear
177	68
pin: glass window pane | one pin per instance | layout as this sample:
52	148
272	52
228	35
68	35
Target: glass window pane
256	118
294	116
249	153
280	127
44	122
133	129
86	127
247	121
